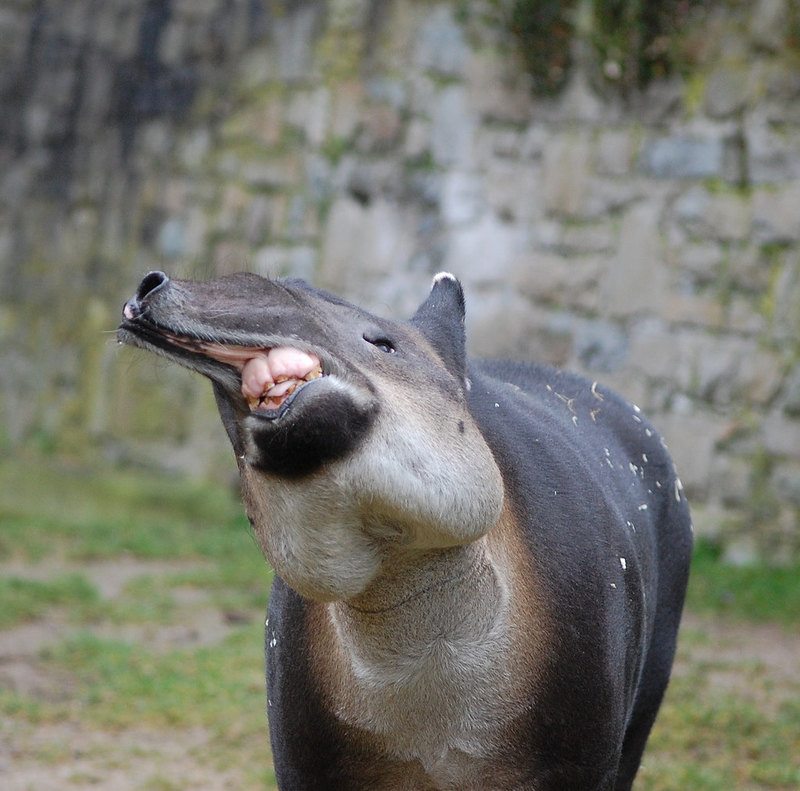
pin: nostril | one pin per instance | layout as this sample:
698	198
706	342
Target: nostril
151	283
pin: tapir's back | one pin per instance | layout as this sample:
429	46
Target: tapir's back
608	528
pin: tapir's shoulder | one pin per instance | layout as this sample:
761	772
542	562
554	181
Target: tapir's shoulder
569	414
542	388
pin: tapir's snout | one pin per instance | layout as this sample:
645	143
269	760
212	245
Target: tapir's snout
262	342
151	283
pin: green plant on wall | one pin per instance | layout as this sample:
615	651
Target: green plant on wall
635	38
544	30
632	40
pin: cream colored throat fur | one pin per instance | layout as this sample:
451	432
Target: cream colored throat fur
426	660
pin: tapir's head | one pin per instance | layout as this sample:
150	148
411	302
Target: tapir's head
351	431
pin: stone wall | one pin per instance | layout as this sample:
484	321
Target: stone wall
365	145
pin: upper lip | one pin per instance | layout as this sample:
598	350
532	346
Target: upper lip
197	352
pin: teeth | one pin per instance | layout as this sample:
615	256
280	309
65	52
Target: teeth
269	375
275	393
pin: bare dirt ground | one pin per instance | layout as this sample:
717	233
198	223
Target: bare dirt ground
67	755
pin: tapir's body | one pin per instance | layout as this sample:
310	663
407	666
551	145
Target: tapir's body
480	566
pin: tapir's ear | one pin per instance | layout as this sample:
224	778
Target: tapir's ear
440	318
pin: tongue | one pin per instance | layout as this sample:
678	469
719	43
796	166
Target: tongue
275	373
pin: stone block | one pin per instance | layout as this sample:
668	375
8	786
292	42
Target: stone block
702	259
709	520
565	173
781	435
170	240
606	197
193	148
372	177
658	352
694	309
785	480
440	44
493	144
270	174
727	91
600	345
513	190
496	91
380	129
230	257
721	217
463	197
692	440
348	14
730	480
776	214
345	113
299	220
759	376
768	24
748	269
363	243
293	39
786	302
544	276
715	364
683	157
453	130
791	400
484	251
578	103
772	157
266	125
614	152
417	142
309	111
584	238
636	280
423	94
388	91
745	317
500	323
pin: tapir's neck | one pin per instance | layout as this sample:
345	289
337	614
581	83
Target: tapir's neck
423	655
419	591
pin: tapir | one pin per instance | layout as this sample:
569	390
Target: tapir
480	566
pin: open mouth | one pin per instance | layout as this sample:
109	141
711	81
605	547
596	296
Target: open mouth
270	376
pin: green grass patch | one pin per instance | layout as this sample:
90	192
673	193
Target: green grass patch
723	725
91	513
755	593
121	685
118	687
25	599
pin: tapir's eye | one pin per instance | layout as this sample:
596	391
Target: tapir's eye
379	342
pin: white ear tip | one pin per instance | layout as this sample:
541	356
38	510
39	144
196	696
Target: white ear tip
444	276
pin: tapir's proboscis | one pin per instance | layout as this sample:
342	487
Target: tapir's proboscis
480	566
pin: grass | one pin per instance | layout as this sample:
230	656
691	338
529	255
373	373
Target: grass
89	513
723	725
24	599
111	694
753	593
